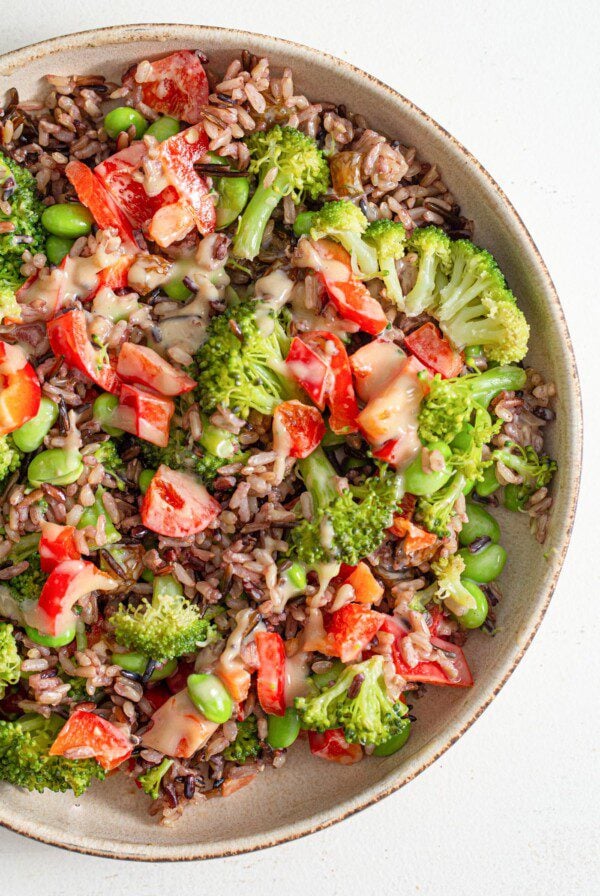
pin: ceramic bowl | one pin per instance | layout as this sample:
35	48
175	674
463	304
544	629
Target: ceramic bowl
308	794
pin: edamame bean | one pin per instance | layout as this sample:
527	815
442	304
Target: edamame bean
479	524
489	484
515	497
303	223
474	356
296	576
417	482
67	219
57	247
102	410
475	617
51	640
30	436
233	194
283	730
210	696
91	515
137	663
163	128
121	119
177	290
325	679
396	742
484	566
146	477
55	466
166	586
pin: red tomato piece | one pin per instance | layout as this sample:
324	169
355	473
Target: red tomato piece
177	86
337	388
139	364
130	194
67	583
309	370
434	351
350	630
297	429
367	589
270	680
68	337
429	672
374	366
178	728
110	744
20	391
57	543
144	414
114	276
332	745
92	193
177	505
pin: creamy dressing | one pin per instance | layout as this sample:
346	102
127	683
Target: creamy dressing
272	292
393	414
178	728
296	677
246	622
345	595
314	634
374	366
148	272
315	256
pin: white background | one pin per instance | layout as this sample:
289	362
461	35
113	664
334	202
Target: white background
513	807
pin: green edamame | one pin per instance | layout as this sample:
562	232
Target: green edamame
177	290
479	524
137	663
31	435
67	219
55	466
489	484
121	119
515	497
325	679
166	586
57	247
102	409
146	477
215	440
163	128
283	730
51	640
303	223
233	194
91	515
417	482
210	696
396	742
484	566
296	576
476	616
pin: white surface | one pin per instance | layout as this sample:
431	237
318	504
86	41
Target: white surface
513	807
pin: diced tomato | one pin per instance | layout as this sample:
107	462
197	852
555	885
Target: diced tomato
297	429
374	367
429	672
332	745
177	505
177	86
128	193
232	785
139	364
350	629
68	582
367	589
415	538
92	193
57	543
270	680
20	391
178	728
110	744
434	351
69	338
309	370
143	413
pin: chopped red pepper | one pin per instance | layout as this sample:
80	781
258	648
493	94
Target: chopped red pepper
297	429
176	85
270	680
57	543
332	745
68	337
93	194
110	745
434	351
20	391
177	505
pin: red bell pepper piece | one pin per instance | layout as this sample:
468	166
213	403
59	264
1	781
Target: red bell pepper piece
20	391
92	193
116	173
177	85
178	728
144	414
434	351
67	583
350	630
57	543
309	370
297	429
68	337
428	671
374	366
332	745
139	364
270	680
367	589
110	744
177	505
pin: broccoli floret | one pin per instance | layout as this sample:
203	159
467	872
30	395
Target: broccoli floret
109	456
18	187
246	744
151	780
220	449
344	222
450	588
301	170
534	470
436	511
28	584
10	457
467	447
10	663
241	366
358	702
25	547
345	527
389	240
168	627
476	307
25	761
432	246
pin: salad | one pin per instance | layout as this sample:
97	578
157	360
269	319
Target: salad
260	393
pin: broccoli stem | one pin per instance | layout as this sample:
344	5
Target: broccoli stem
318	475
218	442
256	217
495	380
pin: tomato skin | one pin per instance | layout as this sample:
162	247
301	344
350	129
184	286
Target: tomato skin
367	589
429	672
143	413
139	364
332	745
177	86
297	429
129	194
350	630
177	505
434	351
86	729
20	391
69	581
92	193
57	544
68	337
270	680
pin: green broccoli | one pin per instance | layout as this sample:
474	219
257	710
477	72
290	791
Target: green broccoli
10	457
246	744
389	240
450	588
293	165
151	780
467	446
28	584
345	527
220	448
241	366
435	511
358	702
535	471
19	189
343	222
168	627
25	760
476	307
25	547
109	456
432	246
10	663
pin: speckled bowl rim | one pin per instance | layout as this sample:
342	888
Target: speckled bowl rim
396	779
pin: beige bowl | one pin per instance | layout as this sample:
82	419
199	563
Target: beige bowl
308	794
